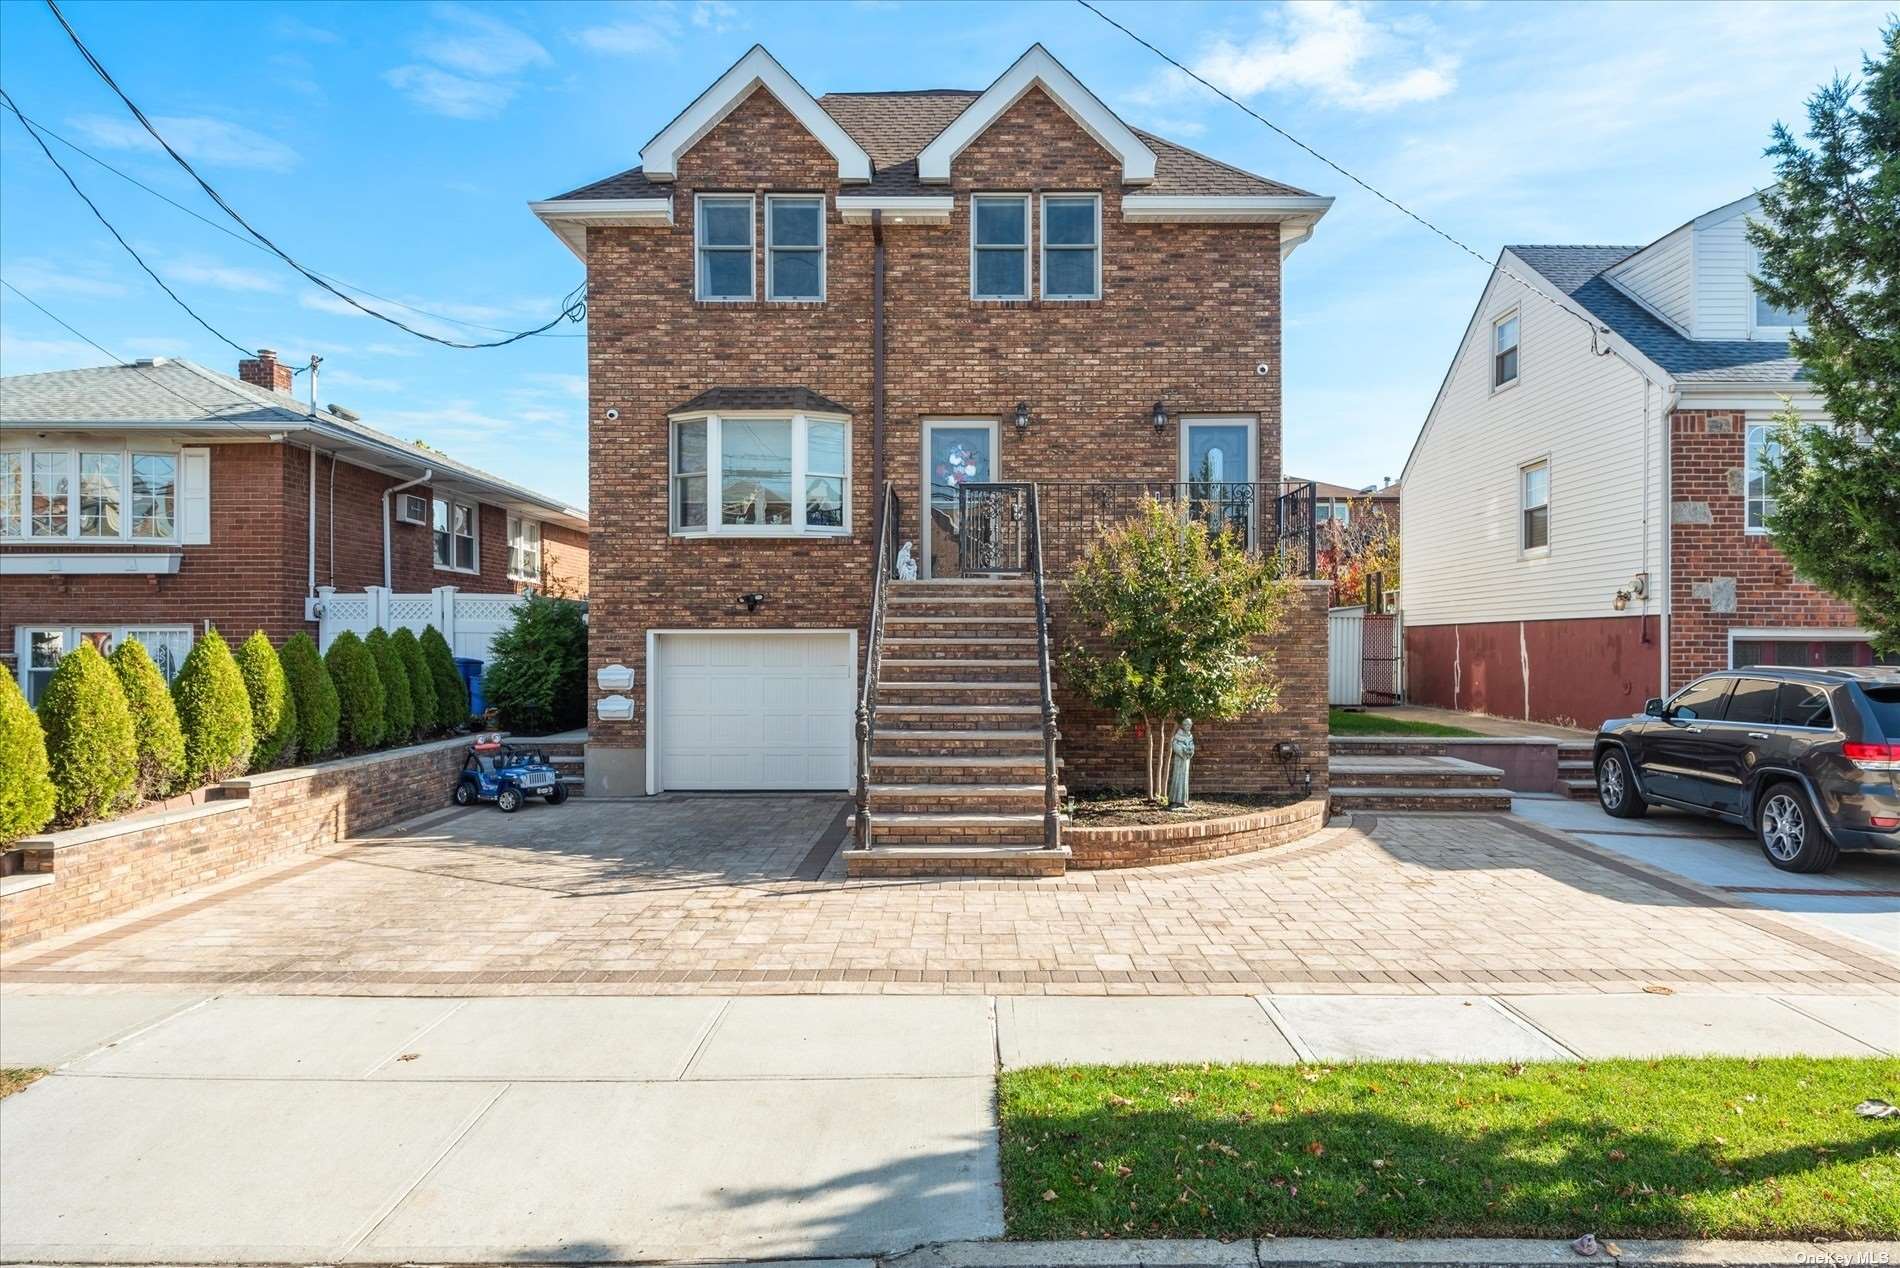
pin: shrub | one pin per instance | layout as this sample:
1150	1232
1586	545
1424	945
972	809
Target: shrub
536	675
421	681
313	697
215	712
399	709
451	693
161	742
26	785
92	751
359	692
273	711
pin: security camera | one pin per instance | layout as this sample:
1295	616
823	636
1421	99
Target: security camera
1262	369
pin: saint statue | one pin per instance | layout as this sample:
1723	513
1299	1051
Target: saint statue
1182	747
906	563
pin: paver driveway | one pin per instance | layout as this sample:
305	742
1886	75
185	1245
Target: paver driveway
738	895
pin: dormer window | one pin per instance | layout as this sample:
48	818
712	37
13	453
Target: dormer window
1504	335
1768	318
999	246
722	233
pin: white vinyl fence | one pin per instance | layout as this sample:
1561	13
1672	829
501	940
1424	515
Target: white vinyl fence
1345	656
468	621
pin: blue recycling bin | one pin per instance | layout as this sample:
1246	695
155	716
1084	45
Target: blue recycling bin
471	671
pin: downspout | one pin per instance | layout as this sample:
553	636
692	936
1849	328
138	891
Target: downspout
313	517
877	364
428	473
1670	394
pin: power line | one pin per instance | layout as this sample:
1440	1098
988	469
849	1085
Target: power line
116	235
235	236
574	306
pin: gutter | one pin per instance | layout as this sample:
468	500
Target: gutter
428	473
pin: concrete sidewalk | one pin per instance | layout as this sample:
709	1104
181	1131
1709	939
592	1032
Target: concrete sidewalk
352	1129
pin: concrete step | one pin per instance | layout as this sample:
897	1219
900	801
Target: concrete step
1402	800
1579	789
1412	772
986	669
1016	798
956	861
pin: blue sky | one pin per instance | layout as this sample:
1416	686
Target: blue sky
395	145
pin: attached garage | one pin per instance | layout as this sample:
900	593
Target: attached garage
754	710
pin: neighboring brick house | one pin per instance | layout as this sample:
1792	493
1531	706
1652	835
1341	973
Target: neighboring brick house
795	300
1584	508
151	500
1337	503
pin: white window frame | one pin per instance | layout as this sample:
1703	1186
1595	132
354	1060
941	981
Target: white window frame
1028	247
822	250
751	248
1751	467
1514	313
69	637
1755	329
1524	506
1042	230
715	476
126	456
475	530
518	526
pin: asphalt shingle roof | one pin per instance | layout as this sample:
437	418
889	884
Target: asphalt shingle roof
797	399
1578	271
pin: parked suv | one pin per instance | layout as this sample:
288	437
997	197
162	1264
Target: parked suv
1808	758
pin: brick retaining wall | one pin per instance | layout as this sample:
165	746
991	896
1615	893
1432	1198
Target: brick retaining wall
1148	844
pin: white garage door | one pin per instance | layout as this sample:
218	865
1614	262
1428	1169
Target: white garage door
741	711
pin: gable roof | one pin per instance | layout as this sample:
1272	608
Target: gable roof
797	400
757	70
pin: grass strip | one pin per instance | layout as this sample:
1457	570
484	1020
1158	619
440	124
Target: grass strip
1346	722
1683	1147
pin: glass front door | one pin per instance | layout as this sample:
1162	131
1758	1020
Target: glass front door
1217	466
955	454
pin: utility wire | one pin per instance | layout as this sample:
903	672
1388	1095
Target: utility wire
574	307
235	236
117	236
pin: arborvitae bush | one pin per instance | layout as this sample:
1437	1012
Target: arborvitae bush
399	709
421	680
359	692
27	796
451	693
91	749
536	675
273	710
313	697
161	741
215	712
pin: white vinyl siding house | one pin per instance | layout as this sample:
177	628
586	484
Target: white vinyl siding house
1724	298
1662	276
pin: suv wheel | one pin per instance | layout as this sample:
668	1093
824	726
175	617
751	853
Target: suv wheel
1789	833
1616	787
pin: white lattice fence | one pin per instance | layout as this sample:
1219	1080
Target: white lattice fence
468	621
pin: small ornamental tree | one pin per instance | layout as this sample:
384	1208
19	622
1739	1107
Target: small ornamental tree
214	711
273	710
359	692
161	741
1170	613
536	675
451	693
27	796
91	749
1366	544
312	695
421	680
399	710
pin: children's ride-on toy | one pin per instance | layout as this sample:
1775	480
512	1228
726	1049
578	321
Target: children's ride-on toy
506	775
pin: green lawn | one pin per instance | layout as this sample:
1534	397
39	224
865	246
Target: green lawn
1673	1148
1341	722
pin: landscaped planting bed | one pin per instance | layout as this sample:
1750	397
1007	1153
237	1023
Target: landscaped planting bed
1669	1148
1349	722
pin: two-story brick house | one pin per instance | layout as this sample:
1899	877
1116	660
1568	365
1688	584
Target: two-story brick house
152	500
797	303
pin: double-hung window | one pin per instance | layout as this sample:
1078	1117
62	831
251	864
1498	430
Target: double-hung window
761	475
999	246
1759	489
1071	246
1534	485
524	549
93	495
723	238
456	536
1504	337
794	247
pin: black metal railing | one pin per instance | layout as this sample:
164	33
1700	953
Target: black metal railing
992	528
1051	812
888	526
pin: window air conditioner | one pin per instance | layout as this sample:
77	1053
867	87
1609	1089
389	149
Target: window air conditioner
412	508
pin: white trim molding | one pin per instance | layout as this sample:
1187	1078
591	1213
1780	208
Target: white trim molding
659	158
898	209
1037	68
569	218
1223	208
92	563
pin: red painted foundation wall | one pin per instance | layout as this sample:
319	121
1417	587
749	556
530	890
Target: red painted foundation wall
1580	671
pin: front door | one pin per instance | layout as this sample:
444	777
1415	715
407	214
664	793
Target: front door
955	454
1219	470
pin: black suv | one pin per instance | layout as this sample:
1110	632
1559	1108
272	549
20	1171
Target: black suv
1808	758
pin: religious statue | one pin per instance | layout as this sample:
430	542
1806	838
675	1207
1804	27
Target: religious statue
906	563
1183	748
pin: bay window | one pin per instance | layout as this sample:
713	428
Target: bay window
524	549
767	475
93	495
154	496
455	526
100	494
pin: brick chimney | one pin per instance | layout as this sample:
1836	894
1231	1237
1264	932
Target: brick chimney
265	371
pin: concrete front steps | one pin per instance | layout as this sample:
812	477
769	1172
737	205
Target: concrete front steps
1406	782
956	774
1576	771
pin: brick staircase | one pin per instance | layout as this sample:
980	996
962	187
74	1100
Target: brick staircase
956	771
1363	778
1576	770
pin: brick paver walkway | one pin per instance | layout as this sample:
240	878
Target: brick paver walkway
675	895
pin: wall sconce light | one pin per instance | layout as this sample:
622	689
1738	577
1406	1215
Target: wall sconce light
752	601
1160	418
1022	417
1621	601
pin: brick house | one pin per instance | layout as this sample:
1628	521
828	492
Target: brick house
151	500
1584	507
804	310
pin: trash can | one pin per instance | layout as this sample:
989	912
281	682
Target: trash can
471	671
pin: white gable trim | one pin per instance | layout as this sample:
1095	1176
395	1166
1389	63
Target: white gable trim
1038	69
1747	204
569	217
757	69
901	209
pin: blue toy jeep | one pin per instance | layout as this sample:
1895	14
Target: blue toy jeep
506	775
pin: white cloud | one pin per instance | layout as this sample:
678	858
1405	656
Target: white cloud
716	16
456	96
324	302
223	276
348	378
625	38
25	354
290	28
39	277
567	384
478	61
198	137
393	350
455	418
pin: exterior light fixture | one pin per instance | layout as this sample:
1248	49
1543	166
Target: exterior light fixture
1160	418
1022	416
1621	601
752	601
